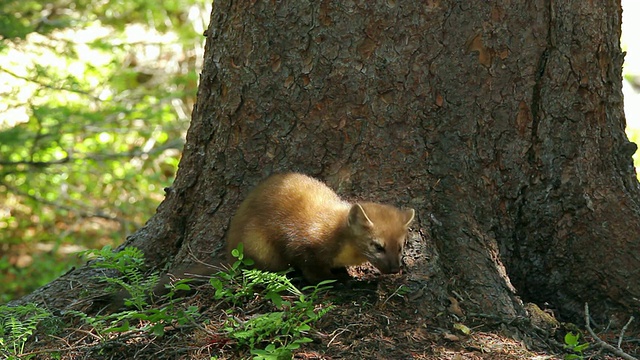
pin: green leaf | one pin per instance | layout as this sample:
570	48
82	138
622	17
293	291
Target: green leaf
580	348
158	329
572	357
275	298
122	328
571	339
182	287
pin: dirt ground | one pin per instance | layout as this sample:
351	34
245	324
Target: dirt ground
370	319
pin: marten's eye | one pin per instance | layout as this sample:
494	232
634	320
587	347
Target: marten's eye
379	248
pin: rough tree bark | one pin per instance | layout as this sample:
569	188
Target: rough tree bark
501	123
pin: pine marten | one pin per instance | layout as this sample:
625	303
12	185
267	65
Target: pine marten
293	220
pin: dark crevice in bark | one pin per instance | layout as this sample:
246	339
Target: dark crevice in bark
536	106
536	96
518	252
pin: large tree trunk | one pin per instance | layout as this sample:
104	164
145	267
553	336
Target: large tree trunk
500	123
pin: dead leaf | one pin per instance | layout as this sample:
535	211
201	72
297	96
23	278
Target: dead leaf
451	337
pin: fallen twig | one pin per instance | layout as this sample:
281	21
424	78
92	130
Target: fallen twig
624	328
599	342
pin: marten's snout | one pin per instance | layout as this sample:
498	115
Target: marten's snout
394	267
387	266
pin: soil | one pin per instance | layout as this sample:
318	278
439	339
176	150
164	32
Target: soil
372	317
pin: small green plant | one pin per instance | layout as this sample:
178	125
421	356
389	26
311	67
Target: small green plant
230	285
241	261
130	263
17	324
285	329
150	320
572	343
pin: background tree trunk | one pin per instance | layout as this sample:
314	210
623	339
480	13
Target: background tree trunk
500	123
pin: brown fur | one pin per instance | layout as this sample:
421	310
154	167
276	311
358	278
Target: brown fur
292	220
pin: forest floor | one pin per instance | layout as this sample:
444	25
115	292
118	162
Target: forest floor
369	318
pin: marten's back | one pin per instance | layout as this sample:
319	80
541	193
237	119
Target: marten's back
285	212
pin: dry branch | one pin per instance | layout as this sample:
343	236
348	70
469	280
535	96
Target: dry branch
599	342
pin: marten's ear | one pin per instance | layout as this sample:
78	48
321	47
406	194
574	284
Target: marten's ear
408	217
357	217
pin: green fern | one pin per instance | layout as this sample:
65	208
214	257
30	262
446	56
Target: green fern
130	263
284	330
17	324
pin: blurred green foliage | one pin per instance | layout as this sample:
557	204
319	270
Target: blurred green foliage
634	135
95	98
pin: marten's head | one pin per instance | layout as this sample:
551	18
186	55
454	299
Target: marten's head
380	232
